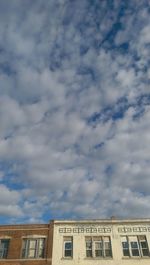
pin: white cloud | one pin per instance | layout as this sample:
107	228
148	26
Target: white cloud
61	65
8	202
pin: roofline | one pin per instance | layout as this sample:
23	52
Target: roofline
24	225
101	221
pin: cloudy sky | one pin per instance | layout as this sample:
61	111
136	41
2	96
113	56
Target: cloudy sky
74	109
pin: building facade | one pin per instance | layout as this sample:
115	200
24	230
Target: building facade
72	242
95	242
26	244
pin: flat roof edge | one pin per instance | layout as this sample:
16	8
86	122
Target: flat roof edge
101	221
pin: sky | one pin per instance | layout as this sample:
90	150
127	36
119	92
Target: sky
74	109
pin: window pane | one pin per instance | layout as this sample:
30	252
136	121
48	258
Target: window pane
40	253
143	244
89	248
32	243
134	245
1	253
126	252
107	245
98	253
31	253
125	247
68	245
134	248
145	252
89	244
98	249
68	249
89	253
135	252
4	243
108	253
68	253
98	245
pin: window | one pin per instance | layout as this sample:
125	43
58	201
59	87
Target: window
125	246
4	244
135	246
33	248
89	247
98	247
68	247
107	247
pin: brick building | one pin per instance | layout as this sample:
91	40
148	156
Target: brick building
26	244
77	242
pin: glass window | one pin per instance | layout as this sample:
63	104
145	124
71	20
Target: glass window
125	246
4	244
89	248
98	247
143	246
135	246
68	247
107	247
33	248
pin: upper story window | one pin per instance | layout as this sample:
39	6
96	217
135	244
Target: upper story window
88	247
98	247
33	248
4	244
68	247
135	246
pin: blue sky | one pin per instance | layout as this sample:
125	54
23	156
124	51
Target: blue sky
74	109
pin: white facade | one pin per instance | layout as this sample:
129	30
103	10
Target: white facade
95	242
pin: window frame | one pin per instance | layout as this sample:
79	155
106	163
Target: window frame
89	249
99	249
25	254
68	240
129	241
4	250
101	240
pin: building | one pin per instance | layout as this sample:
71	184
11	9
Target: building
95	242
77	242
25	244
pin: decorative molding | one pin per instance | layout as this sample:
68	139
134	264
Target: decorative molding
87	230
130	229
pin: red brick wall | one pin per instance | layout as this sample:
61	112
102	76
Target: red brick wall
16	232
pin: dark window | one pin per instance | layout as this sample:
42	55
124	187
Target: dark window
89	248
4	244
68	247
135	246
125	247
143	246
98	247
